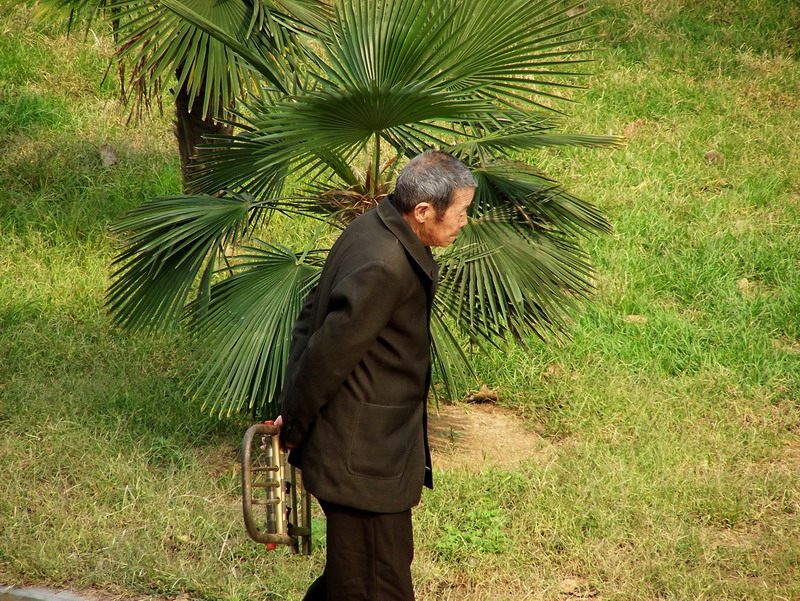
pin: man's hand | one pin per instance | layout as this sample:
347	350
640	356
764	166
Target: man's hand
279	423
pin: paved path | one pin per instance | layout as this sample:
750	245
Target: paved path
12	593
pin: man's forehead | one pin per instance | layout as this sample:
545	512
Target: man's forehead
463	195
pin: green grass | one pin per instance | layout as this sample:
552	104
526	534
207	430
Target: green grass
674	471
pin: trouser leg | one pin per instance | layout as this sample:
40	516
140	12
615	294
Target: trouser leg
317	591
368	556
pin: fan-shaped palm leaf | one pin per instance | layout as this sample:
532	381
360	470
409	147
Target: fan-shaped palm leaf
512	131
493	47
412	72
535	200
451	365
498	280
162	43
169	240
247	326
302	131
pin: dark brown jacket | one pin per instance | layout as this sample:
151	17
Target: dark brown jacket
359	369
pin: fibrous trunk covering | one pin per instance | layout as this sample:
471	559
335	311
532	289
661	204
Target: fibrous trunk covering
190	127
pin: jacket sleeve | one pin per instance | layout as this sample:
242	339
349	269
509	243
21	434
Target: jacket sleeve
360	306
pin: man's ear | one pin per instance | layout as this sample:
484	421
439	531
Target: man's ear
422	211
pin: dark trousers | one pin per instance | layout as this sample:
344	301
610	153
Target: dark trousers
368	556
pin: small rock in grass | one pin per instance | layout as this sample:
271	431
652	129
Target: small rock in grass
107	155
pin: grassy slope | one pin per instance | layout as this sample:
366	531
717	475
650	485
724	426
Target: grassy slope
676	472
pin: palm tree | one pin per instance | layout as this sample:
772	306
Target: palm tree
385	80
156	49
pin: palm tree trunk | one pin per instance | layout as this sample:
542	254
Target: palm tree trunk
190	127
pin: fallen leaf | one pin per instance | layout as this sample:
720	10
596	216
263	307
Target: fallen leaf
635	319
716	185
570	585
552	369
576	588
484	395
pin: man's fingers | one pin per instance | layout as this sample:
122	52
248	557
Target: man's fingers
279	424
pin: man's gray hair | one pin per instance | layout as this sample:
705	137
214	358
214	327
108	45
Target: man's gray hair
431	177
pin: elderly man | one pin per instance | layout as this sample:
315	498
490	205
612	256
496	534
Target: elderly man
353	407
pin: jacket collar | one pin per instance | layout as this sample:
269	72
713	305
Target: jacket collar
393	220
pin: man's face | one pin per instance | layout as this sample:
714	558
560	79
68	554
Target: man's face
442	229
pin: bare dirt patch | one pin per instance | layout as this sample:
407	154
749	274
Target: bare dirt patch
475	436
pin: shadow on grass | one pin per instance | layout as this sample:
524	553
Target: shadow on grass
67	185
23	111
61	360
127	390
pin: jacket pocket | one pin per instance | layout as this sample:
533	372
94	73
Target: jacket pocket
381	440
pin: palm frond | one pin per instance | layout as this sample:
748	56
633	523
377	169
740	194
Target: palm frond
161	44
301	131
302	16
498	49
512	131
535	200
168	242
247	327
498	280
451	365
